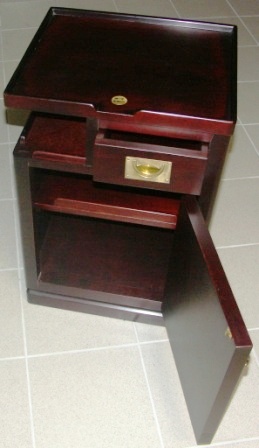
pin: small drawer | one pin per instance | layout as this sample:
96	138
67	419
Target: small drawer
146	161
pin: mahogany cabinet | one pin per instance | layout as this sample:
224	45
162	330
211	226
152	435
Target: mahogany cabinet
116	171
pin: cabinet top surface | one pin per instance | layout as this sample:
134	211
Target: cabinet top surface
135	67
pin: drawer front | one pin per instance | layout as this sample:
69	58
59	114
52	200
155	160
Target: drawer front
144	165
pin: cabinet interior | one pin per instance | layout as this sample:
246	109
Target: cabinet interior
96	237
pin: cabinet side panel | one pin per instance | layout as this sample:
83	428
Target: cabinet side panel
26	220
217	153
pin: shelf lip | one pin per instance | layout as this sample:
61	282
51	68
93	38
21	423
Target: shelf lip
141	117
110	212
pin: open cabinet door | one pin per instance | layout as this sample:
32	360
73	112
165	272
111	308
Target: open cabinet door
207	334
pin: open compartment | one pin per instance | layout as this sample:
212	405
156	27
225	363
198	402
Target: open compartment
77	194
90	237
87	254
55	138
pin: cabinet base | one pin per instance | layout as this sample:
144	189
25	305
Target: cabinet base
93	307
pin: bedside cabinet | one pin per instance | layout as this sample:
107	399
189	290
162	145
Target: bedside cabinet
116	171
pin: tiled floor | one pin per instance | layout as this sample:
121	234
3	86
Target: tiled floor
74	380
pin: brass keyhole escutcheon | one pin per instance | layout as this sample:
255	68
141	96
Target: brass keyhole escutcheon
119	100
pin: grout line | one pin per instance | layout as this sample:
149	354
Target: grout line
251	81
247	46
229	442
254	123
8	269
115	5
250	139
12	358
86	350
21	28
256	357
233	246
149	391
176	10
213	18
27	369
25	350
229	179
6	199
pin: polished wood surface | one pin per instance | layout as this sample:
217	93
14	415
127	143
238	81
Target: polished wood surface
165	68
78	195
207	333
188	159
96	241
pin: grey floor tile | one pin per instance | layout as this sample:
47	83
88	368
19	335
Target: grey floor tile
25	16
253	132
147	332
247	7
254	334
96	5
235	214
16	41
15	429
92	400
16	119
8	254
162	8
51	330
6	179
248	63
1	45
241	265
203	8
1	79
9	68
167	395
244	443
244	36
242	159
252	24
248	100
11	333
3	124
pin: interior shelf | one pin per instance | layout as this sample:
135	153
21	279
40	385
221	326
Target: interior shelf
78	195
116	258
55	138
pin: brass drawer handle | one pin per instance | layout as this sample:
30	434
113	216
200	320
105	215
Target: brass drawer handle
151	170
147	170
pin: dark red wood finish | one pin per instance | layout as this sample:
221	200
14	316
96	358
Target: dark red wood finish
95	241
208	336
188	160
172	72
78	195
